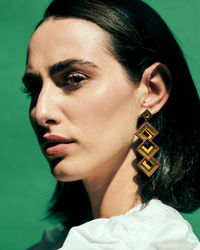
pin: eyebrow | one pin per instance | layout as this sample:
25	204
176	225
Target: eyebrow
59	66
67	63
28	76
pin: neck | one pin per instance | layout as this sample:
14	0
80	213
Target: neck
114	193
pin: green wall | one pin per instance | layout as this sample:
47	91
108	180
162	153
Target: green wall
26	183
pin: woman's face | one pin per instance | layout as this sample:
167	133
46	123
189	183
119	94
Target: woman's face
84	109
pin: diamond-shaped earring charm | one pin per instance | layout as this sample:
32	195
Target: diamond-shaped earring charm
147	148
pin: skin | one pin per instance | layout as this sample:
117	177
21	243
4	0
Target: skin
100	113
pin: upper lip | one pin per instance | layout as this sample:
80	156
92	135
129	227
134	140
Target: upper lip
47	140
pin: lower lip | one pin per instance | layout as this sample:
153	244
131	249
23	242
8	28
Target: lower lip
57	149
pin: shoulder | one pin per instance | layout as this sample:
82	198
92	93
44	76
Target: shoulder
154	226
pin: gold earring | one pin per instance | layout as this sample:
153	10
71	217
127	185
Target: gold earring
147	148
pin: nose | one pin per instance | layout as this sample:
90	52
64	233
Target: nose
46	110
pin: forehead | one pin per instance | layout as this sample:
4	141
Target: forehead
58	39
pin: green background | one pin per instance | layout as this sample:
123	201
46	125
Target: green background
26	183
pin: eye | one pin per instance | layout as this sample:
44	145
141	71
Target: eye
30	92
74	81
32	86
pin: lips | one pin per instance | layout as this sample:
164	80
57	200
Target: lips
55	145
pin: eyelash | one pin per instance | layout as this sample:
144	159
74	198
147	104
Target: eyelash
32	90
77	79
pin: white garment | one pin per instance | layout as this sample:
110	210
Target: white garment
154	227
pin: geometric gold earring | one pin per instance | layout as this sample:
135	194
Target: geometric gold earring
147	148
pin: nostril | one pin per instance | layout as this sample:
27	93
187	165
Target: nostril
50	122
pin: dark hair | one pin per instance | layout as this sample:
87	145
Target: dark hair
139	38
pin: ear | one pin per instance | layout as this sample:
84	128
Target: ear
157	80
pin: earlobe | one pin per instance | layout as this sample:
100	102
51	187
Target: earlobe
157	79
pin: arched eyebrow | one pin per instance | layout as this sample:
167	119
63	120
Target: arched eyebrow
56	68
29	76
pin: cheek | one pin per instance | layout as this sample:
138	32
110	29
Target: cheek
108	114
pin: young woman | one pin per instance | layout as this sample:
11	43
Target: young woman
96	71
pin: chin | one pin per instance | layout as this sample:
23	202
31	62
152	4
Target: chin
65	172
64	178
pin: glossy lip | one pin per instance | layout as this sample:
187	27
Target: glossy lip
54	145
